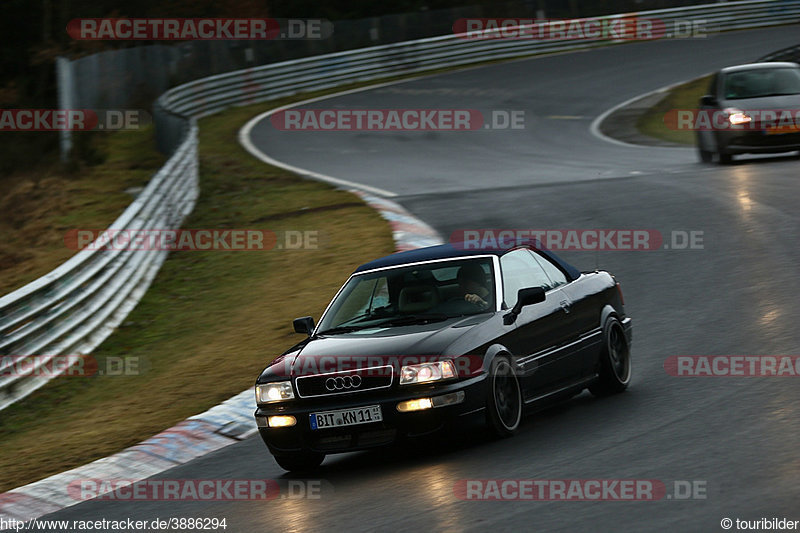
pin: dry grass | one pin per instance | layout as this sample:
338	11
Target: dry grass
685	96
38	208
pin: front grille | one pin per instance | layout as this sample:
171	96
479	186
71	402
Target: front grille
348	382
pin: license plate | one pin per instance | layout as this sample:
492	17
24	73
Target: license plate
346	417
782	130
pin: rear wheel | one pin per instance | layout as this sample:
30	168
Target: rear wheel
300	461
504	398
615	361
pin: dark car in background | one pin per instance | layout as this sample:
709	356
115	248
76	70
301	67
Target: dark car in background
421	338
754	108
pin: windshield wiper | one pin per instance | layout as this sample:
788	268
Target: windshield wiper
341	329
413	319
405	320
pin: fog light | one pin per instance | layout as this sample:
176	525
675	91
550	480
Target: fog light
282	421
448	399
414	405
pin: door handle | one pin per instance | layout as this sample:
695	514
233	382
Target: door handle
565	305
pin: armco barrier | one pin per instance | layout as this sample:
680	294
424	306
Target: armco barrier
72	309
75	307
242	87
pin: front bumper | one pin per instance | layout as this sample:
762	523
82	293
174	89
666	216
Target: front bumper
757	142
394	426
627	326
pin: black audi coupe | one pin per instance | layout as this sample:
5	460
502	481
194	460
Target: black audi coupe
419	339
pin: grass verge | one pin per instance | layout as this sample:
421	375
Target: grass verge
210	321
684	96
38	208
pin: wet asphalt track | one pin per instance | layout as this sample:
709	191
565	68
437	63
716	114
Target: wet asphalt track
737	295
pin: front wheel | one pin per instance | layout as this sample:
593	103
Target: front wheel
300	461
706	156
615	361
504	398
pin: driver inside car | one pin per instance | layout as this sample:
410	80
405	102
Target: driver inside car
472	282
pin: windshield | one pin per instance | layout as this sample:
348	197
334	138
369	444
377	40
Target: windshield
758	83
409	295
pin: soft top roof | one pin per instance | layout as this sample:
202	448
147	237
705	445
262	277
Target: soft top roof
452	250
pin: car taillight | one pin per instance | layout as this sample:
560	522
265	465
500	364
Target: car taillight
621	297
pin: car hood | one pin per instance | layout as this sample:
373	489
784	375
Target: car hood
359	349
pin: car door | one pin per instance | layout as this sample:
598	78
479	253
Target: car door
540	329
580	354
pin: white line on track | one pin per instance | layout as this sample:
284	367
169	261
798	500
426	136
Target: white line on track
244	133
244	139
594	128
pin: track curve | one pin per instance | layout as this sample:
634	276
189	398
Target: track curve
738	295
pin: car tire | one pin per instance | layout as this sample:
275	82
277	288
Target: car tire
723	157
503	398
705	155
615	360
300	461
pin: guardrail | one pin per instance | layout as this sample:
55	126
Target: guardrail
75	307
212	94
72	309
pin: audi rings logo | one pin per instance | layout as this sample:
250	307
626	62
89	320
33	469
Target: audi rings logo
343	383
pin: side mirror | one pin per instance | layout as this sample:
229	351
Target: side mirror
304	324
529	296
708	101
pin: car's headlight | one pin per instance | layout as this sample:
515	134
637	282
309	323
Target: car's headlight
426	372
274	392
737	116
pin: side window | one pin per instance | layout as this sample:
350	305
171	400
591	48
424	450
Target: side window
556	276
520	271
